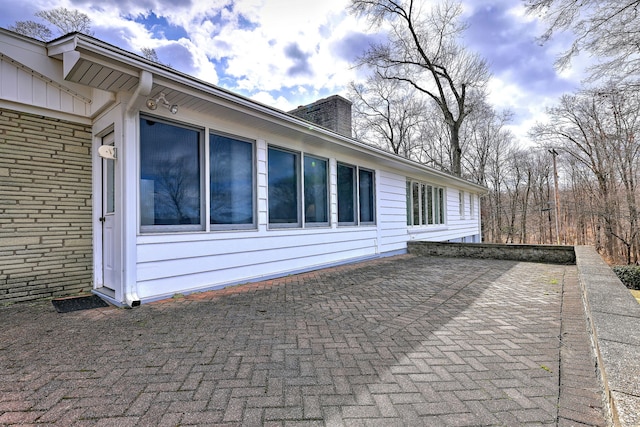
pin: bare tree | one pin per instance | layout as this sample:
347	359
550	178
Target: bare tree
497	175
64	20
435	149
387	114
597	130
608	29
150	54
483	132
32	29
574	130
539	215
622	122
423	52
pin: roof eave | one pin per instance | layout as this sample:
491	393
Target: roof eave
133	64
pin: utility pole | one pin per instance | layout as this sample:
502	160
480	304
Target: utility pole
556	196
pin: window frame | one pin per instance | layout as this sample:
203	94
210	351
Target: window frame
174	228
356	189
254	208
472	208
431	204
354	194
373	197
313	224
299	200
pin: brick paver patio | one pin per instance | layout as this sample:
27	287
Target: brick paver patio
404	341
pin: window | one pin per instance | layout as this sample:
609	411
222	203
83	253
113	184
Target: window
172	168
417	203
110	165
298	192
283	194
316	190
356	195
366	196
461	204
425	204
409	204
439	206
429	205
231	177
346	194
472	211
170	176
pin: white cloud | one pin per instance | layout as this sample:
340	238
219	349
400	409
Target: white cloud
280	102
258	57
528	108
285	53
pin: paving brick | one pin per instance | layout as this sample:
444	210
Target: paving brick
395	341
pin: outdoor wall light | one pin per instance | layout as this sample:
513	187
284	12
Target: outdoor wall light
152	103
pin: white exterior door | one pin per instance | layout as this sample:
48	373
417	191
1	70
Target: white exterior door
109	208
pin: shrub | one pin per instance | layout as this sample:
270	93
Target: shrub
629	275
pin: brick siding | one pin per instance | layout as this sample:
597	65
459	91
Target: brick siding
45	207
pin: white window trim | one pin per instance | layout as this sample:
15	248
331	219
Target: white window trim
254	202
300	222
173	229
327	223
373	190
472	210
438	212
357	222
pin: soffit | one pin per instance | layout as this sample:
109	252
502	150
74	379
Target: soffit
88	72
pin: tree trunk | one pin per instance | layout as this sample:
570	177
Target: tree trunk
456	151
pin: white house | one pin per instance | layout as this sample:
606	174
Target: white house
130	179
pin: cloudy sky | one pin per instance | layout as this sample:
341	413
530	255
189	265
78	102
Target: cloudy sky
287	53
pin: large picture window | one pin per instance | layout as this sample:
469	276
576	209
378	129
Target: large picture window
232	182
170	176
425	204
316	190
283	181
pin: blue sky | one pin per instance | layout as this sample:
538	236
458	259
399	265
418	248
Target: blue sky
287	53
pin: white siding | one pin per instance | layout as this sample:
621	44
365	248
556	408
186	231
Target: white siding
392	212
462	227
22	85
208	260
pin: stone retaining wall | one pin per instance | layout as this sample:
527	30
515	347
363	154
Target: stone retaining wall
614	316
532	253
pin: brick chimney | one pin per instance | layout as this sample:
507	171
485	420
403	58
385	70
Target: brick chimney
333	113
